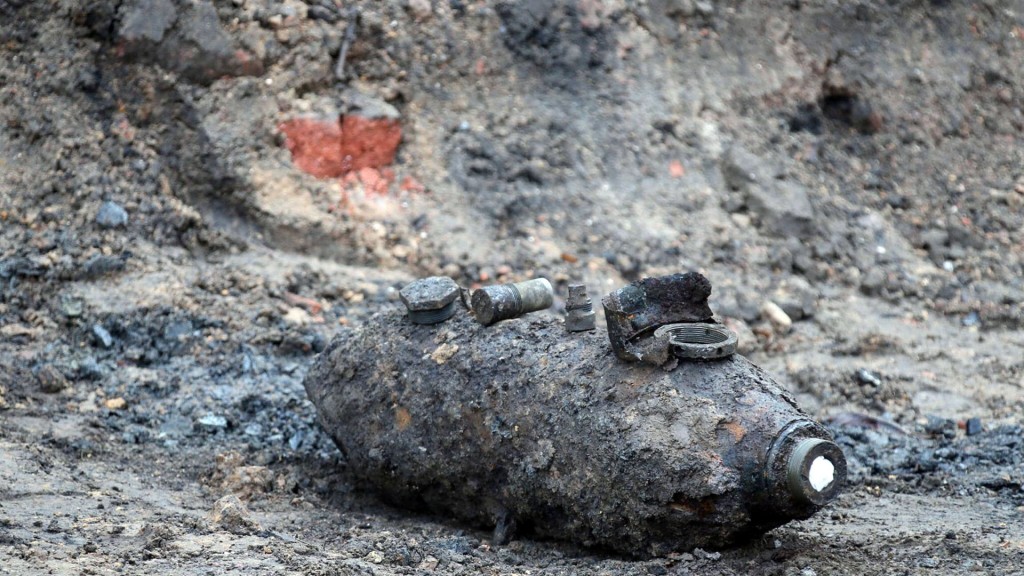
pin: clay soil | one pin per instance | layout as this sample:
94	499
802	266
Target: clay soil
168	272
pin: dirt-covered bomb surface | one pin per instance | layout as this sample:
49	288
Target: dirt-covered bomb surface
848	174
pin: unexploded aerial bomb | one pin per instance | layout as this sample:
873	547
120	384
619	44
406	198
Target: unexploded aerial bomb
523	423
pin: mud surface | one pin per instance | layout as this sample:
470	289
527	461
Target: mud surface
167	272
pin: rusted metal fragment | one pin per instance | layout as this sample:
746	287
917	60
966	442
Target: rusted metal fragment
635	311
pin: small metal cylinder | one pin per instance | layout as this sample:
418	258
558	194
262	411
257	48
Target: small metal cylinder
496	303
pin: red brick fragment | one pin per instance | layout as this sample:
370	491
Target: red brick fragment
315	145
332	148
368	143
676	169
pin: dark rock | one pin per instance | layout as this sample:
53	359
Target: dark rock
937	426
111	215
797	298
101	265
146	21
51	380
973	426
782	207
322	13
19	266
187	38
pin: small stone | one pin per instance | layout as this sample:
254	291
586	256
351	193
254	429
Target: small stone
746	341
421	9
101	336
797	298
782	207
444	352
297	317
972	319
328	15
937	426
212	422
429	563
973	426
51	380
780	321
70	306
115	403
865	376
111	215
230	513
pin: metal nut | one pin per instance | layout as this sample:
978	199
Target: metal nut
430	300
698	340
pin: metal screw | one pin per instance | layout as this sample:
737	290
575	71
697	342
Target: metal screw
430	300
496	303
579	310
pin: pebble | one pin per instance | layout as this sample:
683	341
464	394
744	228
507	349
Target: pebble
747	342
231	514
937	426
780	321
296	316
212	422
102	336
115	403
973	426
51	380
111	215
972	319
71	306
865	376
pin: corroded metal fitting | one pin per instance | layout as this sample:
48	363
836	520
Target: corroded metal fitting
496	303
804	470
579	310
698	340
430	300
635	311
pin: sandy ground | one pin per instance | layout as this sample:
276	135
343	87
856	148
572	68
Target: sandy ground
168	272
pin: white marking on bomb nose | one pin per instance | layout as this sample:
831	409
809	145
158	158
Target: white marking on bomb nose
821	474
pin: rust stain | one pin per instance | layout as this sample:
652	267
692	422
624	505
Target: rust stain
701	508
735	429
402	418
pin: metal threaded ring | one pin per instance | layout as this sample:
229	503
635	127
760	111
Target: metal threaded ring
433	316
699	340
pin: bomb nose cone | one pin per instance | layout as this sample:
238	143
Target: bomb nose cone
816	471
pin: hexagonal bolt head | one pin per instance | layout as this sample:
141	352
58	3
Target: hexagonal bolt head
430	300
579	310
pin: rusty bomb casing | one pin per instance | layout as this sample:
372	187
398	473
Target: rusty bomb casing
521	421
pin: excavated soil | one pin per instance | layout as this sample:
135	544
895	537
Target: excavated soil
168	269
